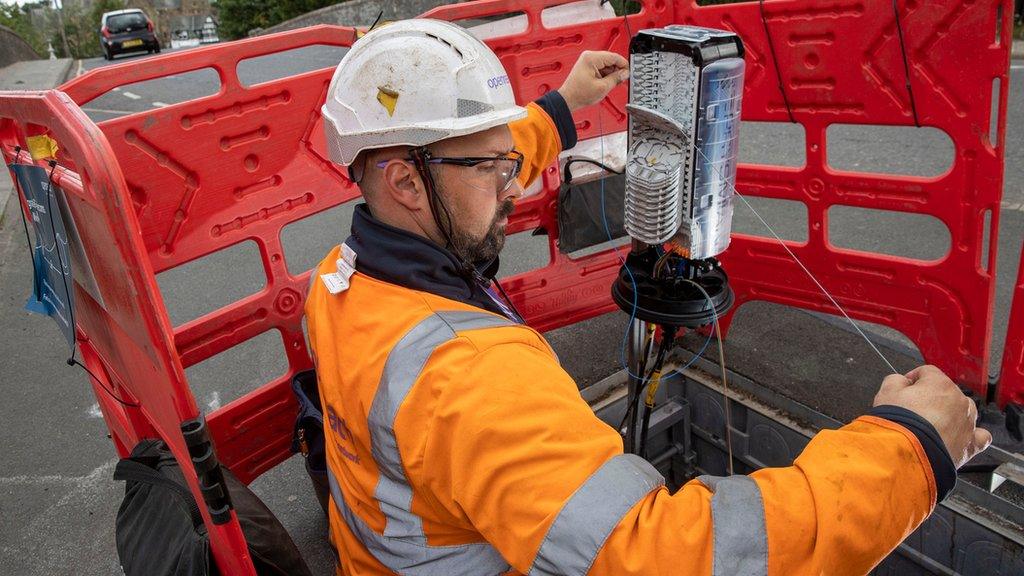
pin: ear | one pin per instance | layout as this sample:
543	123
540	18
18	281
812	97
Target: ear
403	184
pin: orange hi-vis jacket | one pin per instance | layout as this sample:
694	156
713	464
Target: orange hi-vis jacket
457	445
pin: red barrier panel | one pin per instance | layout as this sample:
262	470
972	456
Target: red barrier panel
124	334
210	173
840	62
157	189
1011	376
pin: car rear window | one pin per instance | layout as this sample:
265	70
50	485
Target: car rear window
126	22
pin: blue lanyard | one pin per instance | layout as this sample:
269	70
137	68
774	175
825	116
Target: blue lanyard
501	304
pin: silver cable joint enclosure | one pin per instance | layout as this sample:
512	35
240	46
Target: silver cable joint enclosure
685	95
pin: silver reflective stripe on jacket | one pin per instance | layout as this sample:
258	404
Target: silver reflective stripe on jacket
592	512
405	557
741	535
403	546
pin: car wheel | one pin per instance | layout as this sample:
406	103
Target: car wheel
106	54
157	48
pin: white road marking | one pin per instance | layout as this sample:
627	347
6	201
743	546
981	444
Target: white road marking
107	111
79	72
131	95
81	481
94	411
1017	67
117	88
160	104
92	492
214	403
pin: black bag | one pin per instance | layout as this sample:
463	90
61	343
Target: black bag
583	221
160	531
308	437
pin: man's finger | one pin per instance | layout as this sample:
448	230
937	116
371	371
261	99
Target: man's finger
617	78
921	371
894	383
982	440
972	411
606	59
612	80
611	70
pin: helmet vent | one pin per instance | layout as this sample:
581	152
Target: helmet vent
448	44
472	108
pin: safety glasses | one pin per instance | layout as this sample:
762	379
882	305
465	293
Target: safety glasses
488	173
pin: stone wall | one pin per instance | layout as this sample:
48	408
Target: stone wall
13	48
355	13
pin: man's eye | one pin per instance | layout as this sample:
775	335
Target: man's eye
485	167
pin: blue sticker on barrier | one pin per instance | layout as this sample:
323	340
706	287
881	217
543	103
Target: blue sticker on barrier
51	260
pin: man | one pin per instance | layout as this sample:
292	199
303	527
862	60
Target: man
457	445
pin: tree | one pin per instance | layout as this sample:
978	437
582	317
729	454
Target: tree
238	17
78	43
82	28
17	19
622	7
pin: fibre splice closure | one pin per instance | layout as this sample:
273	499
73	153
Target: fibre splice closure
683	141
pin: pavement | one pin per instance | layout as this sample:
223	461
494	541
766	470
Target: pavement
35	74
57	498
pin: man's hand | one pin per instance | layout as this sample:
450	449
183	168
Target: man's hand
929	393
593	77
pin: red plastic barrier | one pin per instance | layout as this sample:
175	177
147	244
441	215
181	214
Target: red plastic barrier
841	62
157	189
1011	377
209	173
125	337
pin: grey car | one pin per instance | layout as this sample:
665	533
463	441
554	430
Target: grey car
127	31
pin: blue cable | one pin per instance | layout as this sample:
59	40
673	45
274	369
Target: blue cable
632	314
608	232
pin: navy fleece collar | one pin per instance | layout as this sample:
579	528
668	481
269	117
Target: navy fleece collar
405	259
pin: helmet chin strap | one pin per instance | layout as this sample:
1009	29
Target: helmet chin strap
420	156
469	271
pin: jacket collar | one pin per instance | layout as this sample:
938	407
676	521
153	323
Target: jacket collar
405	259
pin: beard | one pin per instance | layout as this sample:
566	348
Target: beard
481	250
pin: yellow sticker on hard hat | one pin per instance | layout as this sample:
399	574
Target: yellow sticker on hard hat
41	147
388	98
360	32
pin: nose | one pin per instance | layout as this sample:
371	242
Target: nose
514	192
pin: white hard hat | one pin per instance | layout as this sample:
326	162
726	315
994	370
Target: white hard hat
413	83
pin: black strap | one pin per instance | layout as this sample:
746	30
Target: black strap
775	62
24	223
567	178
130	470
906	64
